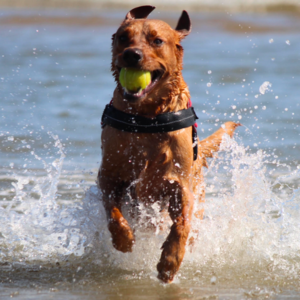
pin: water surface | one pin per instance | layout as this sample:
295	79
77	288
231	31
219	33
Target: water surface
54	83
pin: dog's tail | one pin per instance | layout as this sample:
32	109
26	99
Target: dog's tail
212	143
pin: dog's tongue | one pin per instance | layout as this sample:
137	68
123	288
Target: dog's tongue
134	80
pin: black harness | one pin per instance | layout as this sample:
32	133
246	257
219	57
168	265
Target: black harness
166	122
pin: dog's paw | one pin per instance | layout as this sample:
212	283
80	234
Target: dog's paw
165	277
169	263
124	241
166	270
122	234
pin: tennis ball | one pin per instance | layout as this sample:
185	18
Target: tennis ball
134	80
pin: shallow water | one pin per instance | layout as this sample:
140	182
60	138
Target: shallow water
55	81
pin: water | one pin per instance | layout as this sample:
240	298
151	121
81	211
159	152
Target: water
55	81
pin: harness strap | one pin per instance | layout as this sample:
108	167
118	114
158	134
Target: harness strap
166	122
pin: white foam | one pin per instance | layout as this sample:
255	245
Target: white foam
247	224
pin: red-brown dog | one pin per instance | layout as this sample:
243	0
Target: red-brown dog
161	163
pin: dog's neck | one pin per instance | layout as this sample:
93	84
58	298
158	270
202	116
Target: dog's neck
174	98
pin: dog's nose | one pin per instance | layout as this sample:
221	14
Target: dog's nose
132	56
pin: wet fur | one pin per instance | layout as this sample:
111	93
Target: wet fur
161	163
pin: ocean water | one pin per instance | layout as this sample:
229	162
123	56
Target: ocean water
54	83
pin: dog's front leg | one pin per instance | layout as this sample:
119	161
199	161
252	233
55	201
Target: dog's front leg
180	210
121	233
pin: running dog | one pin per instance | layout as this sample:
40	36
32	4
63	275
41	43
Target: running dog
149	135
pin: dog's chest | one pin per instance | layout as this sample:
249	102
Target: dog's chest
143	148
126	155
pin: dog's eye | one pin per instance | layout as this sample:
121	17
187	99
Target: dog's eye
158	42
123	38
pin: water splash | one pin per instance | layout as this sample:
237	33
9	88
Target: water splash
248	227
251	222
35	226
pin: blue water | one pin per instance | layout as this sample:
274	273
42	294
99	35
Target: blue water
56	74
54	83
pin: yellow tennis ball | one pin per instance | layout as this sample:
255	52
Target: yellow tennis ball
134	80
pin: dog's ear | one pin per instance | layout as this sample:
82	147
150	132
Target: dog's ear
184	25
140	12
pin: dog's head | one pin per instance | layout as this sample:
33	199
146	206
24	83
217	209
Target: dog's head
149	45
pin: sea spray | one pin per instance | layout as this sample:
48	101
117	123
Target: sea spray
248	229
34	225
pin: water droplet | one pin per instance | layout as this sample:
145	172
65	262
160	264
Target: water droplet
288	42
213	280
265	87
209	72
56	164
271	41
78	269
209	84
264	107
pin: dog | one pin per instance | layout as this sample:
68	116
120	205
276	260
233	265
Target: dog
166	166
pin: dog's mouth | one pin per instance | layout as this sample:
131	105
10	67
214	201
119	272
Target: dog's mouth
136	84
